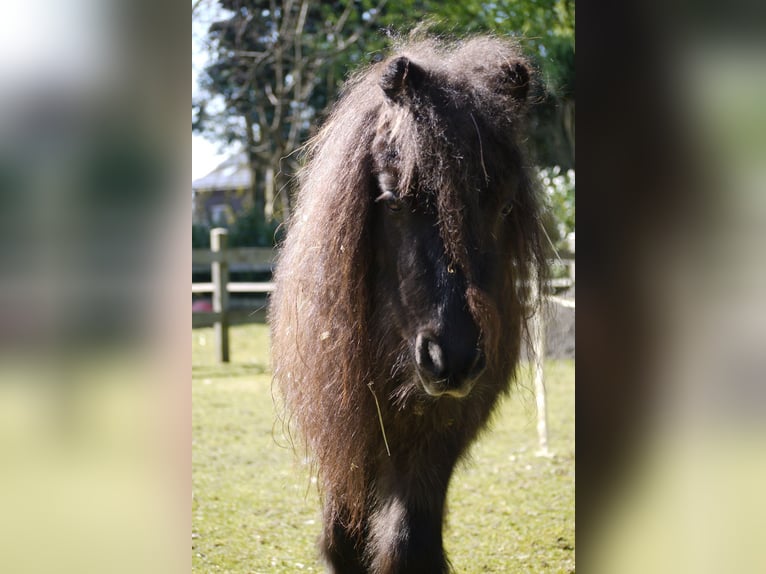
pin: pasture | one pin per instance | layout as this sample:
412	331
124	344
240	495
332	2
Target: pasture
255	510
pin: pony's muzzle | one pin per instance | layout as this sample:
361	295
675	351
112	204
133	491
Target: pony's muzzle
447	371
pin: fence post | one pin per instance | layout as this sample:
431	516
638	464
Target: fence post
220	275
571	249
538	352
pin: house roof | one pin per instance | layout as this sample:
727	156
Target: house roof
233	173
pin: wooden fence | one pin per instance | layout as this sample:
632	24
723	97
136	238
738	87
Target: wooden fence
222	261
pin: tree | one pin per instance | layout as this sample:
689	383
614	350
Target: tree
275	64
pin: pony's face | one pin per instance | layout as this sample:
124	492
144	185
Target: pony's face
440	229
423	294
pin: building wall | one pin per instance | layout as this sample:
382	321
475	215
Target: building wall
219	206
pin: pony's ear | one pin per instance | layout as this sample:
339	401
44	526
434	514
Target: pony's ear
515	80
400	77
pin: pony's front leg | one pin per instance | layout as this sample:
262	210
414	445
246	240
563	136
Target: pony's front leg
342	551
405	536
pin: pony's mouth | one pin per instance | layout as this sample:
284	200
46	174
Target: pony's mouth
446	387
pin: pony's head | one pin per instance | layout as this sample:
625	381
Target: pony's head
454	219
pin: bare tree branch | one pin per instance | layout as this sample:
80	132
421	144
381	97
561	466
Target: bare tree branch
195	6
273	55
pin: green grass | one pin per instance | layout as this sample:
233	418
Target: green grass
254	509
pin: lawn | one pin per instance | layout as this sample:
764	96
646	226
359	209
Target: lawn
255	510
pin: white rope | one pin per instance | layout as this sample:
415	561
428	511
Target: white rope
538	350
561	301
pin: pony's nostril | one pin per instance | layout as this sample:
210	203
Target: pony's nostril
479	364
429	355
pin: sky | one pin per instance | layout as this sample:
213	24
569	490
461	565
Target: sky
206	154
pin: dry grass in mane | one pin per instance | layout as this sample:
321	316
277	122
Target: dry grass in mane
330	345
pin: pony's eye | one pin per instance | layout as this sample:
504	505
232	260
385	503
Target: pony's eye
394	204
390	200
507	208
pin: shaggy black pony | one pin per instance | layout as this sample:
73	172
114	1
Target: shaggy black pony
402	291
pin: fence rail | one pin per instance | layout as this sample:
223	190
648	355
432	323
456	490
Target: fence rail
238	287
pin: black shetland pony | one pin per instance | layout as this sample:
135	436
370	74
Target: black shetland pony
402	291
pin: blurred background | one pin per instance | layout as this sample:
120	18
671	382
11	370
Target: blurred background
94	211
671	391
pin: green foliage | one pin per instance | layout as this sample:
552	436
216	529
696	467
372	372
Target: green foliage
251	229
200	236
545	29
559	192
254	508
539	21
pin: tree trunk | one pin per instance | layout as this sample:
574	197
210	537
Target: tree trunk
568	120
286	203
259	203
268	191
